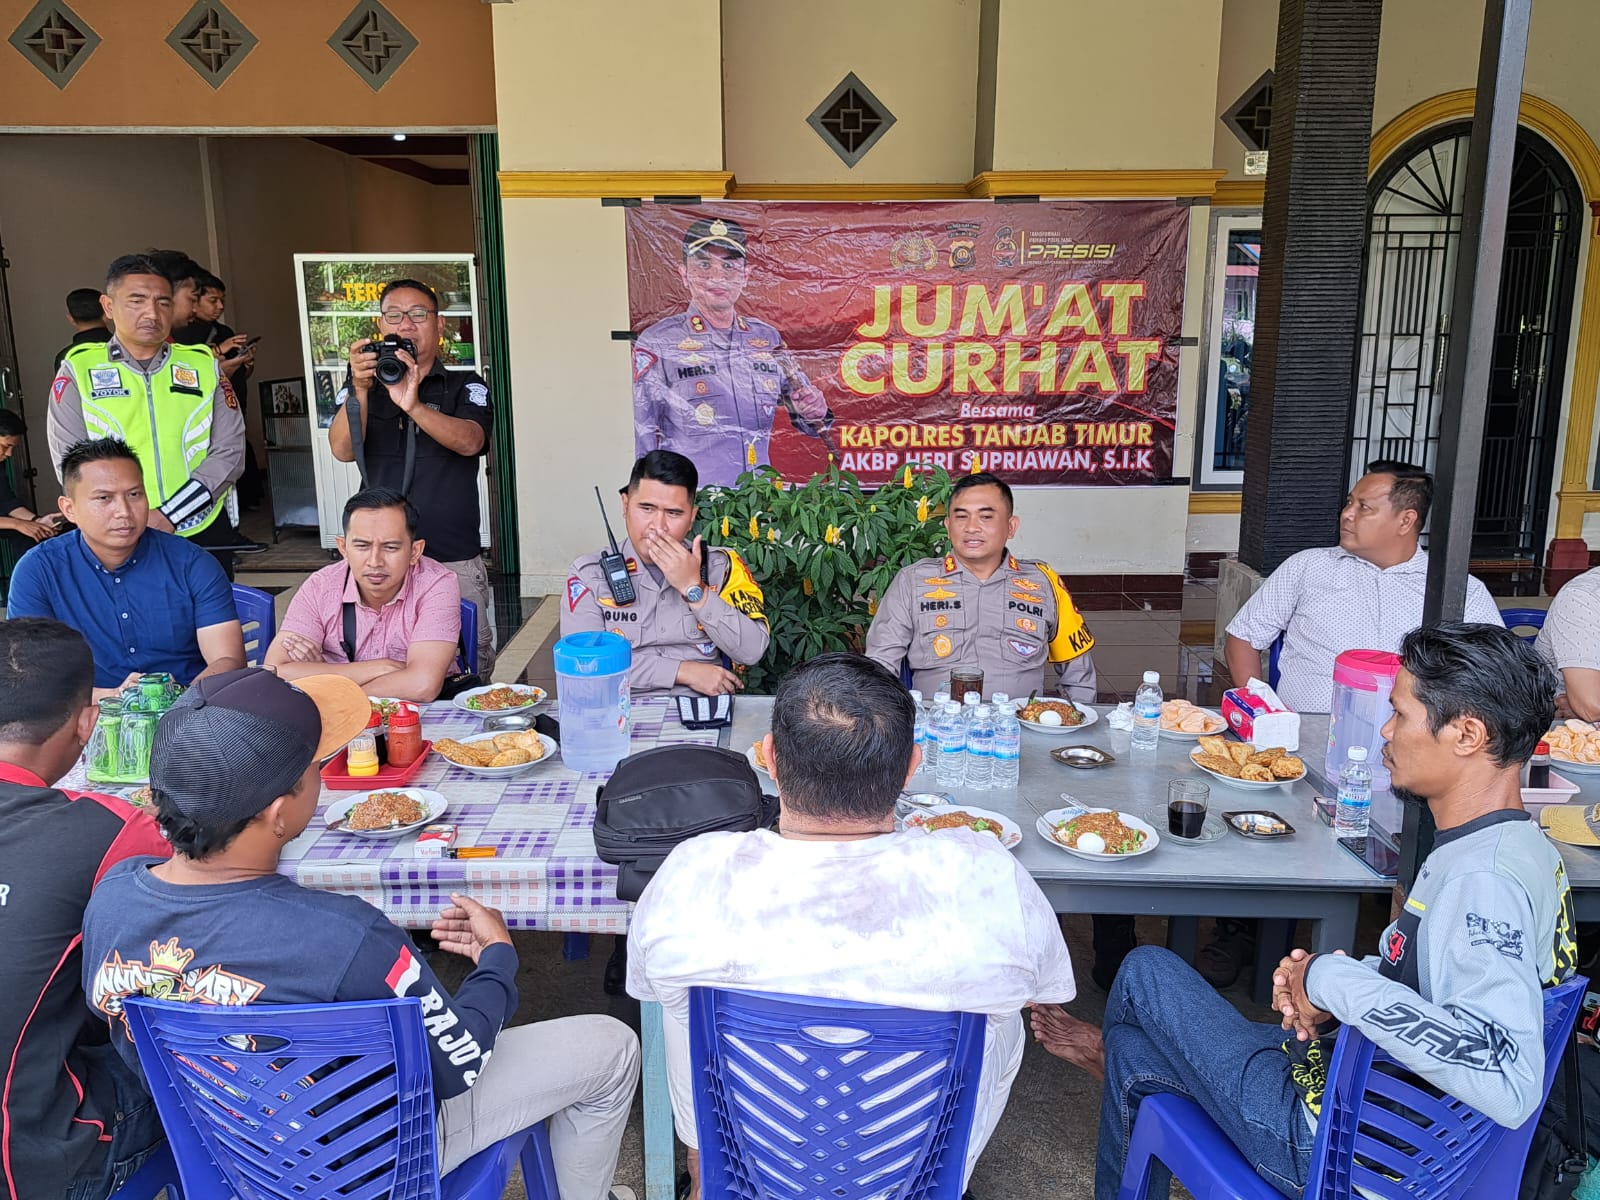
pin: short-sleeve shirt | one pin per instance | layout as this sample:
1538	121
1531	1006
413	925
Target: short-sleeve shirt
444	484
141	616
426	609
1326	601
1570	636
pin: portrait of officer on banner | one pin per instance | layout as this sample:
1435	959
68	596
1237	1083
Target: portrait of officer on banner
707	382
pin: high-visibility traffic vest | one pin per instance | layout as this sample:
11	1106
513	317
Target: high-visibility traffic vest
164	418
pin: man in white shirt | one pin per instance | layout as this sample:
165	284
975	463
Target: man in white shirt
838	904
1570	642
1365	593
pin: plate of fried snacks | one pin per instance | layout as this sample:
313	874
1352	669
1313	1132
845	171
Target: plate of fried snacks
1184	722
1241	765
757	759
1575	745
387	813
499	698
1052	716
1097	834
964	816
496	755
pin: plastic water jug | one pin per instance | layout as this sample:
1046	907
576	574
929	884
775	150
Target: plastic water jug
1362	681
592	688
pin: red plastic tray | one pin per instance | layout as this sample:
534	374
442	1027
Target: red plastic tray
337	779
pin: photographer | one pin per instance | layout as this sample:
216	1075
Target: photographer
420	434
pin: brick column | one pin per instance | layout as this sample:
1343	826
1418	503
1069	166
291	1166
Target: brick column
1308	307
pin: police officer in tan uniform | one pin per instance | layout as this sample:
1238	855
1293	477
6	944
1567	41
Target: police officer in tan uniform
982	607
694	603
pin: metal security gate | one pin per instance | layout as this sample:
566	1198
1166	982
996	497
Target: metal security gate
1412	246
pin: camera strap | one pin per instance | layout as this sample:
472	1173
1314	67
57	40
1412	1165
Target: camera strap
352	405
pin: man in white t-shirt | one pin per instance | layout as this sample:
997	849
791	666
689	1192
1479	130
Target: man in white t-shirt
1570	642
839	905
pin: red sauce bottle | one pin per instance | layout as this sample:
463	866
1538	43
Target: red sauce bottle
1539	766
405	736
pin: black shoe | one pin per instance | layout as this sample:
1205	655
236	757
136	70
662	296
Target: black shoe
1233	949
616	980
1114	940
250	548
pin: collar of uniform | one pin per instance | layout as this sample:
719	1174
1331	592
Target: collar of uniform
11	773
706	326
352	590
117	352
132	560
1417	564
1008	566
438	370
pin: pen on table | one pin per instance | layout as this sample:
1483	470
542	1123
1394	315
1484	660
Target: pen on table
473	852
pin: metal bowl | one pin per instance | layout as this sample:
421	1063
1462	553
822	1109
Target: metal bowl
1084	758
513	722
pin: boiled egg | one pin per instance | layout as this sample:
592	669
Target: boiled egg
1050	717
1091	843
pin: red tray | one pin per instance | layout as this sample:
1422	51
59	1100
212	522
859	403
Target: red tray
337	779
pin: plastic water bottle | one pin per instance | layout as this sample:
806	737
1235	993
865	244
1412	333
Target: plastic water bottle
930	748
980	750
950	731
920	736
1007	747
1147	712
1354	810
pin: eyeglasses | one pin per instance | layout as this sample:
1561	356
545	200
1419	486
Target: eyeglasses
393	316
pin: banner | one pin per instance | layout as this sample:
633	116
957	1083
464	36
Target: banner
1038	341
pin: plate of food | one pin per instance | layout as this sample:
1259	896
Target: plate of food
499	698
387	813
1575	745
965	816
497	755
1098	834
1241	765
1185	722
1049	715
757	759
387	706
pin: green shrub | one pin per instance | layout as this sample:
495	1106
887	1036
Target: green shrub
823	552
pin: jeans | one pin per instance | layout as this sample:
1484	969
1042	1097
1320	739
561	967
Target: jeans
1167	1030
135	1131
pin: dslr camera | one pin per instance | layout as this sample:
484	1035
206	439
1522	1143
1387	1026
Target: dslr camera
391	368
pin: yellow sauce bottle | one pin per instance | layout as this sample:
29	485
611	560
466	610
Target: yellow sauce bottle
362	754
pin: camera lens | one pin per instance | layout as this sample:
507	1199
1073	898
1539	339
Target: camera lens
390	370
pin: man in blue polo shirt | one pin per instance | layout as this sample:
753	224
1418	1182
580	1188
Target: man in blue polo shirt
144	600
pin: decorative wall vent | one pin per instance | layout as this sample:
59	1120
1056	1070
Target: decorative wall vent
211	40
1250	118
851	120
372	43
56	40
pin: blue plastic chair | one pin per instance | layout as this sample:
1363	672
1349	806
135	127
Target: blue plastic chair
259	619
302	1100
1448	1151
796	1097
157	1172
1524	618
469	636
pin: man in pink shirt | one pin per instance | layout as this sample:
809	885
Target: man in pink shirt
386	616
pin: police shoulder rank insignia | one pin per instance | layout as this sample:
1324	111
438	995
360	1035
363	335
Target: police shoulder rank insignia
943	646
183	376
643	360
949	563
576	591
478	394
742	326
633	566
1025	649
697	323
689	343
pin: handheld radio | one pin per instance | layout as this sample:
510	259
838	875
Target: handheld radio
612	564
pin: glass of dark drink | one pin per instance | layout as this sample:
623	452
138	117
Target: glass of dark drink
964	680
1186	807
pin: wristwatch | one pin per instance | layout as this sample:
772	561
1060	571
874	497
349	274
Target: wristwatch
695	594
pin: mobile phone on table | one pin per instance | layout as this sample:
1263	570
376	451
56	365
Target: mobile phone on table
1376	854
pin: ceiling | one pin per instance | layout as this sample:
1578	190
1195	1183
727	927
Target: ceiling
440	159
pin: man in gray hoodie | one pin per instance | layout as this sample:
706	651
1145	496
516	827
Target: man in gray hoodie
1454	993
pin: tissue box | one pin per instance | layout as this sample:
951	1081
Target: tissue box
434	840
1255	714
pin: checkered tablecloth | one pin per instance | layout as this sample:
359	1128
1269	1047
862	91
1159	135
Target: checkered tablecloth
546	875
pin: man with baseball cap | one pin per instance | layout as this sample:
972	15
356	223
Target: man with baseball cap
707	382
234	777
